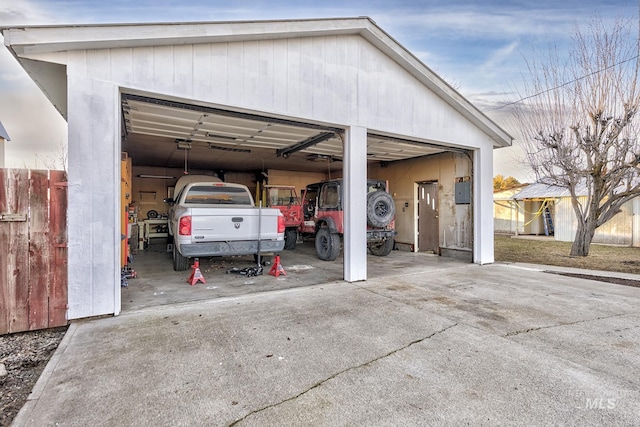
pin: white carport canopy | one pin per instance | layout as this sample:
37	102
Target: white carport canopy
346	75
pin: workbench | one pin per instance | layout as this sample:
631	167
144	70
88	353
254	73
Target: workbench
148	230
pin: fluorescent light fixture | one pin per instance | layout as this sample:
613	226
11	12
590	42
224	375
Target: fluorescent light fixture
218	136
157	176
234	149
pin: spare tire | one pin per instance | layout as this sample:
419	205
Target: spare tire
380	208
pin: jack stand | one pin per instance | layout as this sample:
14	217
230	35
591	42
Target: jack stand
276	269
196	275
125	274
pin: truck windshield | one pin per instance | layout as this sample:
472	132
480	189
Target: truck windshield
282	197
213	195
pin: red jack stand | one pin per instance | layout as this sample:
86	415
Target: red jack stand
276	268
196	275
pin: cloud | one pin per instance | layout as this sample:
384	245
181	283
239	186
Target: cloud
27	12
33	125
499	56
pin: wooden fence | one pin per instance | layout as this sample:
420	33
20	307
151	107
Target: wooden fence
33	248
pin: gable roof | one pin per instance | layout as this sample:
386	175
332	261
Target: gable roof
40	50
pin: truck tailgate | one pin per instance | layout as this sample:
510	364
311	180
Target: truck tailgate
222	224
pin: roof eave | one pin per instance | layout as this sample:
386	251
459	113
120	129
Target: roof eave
3	133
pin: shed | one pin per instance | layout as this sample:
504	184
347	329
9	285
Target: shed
539	209
292	99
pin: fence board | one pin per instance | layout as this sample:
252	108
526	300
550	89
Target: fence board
39	260
58	242
4	250
33	272
15	244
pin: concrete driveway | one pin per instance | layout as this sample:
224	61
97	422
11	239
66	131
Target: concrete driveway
459	344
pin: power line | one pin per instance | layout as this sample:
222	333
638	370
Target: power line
562	85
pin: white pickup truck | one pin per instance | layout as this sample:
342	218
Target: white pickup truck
221	219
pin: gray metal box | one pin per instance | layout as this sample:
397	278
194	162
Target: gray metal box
463	193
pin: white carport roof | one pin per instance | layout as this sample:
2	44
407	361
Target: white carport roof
148	118
539	190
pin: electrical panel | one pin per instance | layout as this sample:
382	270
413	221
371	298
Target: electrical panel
463	193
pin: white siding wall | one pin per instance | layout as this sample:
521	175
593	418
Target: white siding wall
619	230
340	80
2	152
94	198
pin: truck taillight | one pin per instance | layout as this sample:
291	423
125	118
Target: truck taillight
281	226
184	229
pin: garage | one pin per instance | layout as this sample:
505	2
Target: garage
292	102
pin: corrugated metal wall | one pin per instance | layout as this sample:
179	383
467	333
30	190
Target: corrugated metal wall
618	231
565	220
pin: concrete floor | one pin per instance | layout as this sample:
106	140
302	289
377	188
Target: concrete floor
157	284
429	342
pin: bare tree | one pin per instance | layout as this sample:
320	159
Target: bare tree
580	130
57	161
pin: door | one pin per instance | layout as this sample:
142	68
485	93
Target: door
428	224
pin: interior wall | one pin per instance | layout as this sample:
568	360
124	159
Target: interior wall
148	193
298	179
456	223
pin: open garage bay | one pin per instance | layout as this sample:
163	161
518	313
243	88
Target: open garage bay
157	284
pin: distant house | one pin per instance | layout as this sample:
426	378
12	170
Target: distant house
540	209
4	136
507	217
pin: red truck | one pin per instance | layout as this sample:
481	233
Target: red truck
285	198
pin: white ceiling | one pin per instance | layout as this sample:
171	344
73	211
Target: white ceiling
232	141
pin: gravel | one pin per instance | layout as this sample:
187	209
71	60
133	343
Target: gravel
23	357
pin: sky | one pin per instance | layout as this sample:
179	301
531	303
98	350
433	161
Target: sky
479	47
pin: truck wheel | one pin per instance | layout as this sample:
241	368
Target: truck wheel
180	263
380	208
383	248
290	237
327	244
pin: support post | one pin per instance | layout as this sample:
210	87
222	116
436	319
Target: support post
483	205
355	202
